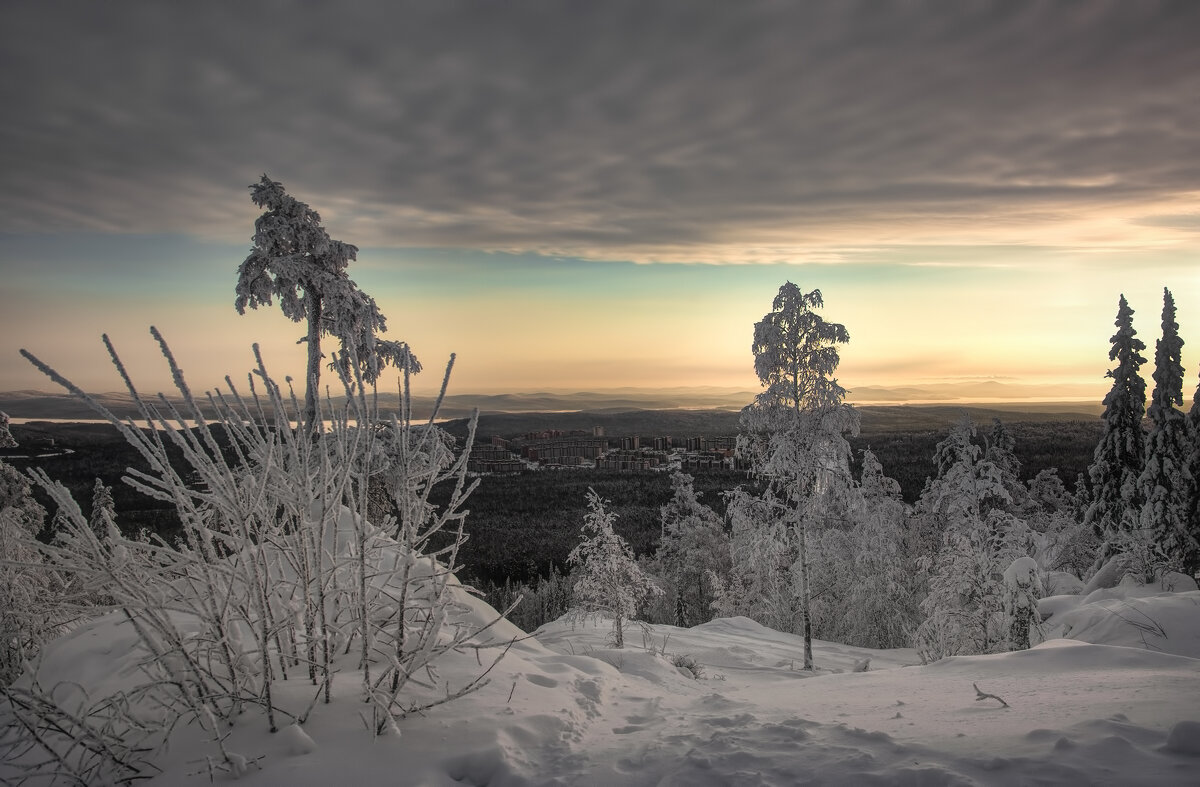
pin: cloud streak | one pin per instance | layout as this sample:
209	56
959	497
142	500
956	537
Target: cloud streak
672	131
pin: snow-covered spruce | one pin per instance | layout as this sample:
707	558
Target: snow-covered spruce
1116	497
1166	485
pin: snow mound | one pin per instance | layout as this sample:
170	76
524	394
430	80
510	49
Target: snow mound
562	708
1184	738
1136	617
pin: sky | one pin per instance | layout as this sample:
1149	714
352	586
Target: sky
574	196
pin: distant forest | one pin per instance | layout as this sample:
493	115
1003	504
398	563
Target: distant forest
521	525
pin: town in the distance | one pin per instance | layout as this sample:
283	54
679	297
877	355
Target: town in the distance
554	449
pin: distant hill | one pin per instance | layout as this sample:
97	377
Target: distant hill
951	397
874	419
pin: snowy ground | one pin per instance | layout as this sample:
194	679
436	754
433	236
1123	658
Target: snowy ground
561	709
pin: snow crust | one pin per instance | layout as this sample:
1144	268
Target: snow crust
1115	704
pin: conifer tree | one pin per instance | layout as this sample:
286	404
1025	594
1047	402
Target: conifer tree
295	260
104	512
1117	463
25	586
1192	566
692	552
610	580
793	433
1001	452
1166	484
1022	589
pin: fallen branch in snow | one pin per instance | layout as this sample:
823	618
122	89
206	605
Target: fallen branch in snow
983	695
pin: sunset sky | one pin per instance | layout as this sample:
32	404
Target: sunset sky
577	195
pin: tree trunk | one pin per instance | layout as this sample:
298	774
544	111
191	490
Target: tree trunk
313	375
806	617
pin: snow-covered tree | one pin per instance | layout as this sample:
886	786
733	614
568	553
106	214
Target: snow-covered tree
968	486
979	537
761	583
1192	566
1000	450
25	587
295	260
1166	484
793	433
6	438
1063	542
865	581
1022	589
104	513
610	582
693	551
1116	497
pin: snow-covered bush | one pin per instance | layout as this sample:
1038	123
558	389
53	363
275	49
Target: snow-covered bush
278	573
610	582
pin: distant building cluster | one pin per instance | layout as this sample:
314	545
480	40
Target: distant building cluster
493	459
710	443
630	461
627	453
561	451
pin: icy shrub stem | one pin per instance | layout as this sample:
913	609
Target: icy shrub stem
277	563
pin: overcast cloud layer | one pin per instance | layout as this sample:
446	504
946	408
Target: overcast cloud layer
611	130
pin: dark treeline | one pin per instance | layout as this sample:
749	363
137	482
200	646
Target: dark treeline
520	526
908	456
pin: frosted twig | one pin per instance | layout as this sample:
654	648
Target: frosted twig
983	695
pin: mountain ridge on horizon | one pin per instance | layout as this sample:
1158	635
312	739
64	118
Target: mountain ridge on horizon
30	403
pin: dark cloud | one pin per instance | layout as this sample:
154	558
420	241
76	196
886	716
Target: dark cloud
592	126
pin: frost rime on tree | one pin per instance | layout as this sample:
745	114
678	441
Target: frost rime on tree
610	580
295	260
1166	483
1120	455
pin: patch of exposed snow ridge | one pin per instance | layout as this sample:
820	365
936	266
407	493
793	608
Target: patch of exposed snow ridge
1116	704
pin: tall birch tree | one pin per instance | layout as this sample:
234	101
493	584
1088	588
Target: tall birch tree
793	432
